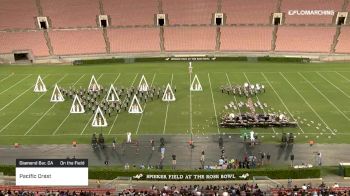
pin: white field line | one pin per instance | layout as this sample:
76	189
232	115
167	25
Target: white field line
14	85
245	75
116	117
8	124
307	103
103	98
333	85
345	78
324	96
12	74
191	123
49	110
13	100
167	106
234	96
144	108
212	98
285	106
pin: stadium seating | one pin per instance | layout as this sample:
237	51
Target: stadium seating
131	12
246	38
33	41
343	45
17	14
190	38
70	42
248	12
289	5
68	13
304	39
134	40
189	11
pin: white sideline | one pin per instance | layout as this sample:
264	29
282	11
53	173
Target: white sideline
167	106
144	108
280	99
212	97
115	119
307	103
14	84
333	85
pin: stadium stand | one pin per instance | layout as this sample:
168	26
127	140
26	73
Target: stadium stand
305	39
70	42
248	12
189	11
67	13
10	17
133	39
343	41
291	5
189	38
31	41
246	38
128	12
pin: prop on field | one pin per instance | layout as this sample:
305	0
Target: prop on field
287	139
39	86
99	119
168	94
93	86
128	137
56	95
112	95
246	89
143	85
196	85
77	107
135	107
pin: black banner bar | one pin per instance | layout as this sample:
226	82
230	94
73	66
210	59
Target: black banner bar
52	163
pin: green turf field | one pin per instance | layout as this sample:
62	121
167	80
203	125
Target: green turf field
316	94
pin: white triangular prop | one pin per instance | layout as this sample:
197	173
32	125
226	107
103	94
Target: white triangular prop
112	95
168	94
77	107
99	119
143	85
135	107
93	86
39	86
196	85
56	95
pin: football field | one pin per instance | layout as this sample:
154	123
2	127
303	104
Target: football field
317	96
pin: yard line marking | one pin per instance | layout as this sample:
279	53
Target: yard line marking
307	103
12	74
8	124
333	85
167	106
49	110
234	96
212	97
102	98
345	78
109	132
14	84
245	75
13	100
324	96
280	99
144	108
191	105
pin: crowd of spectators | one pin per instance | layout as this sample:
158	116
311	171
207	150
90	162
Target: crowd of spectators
307	189
10	192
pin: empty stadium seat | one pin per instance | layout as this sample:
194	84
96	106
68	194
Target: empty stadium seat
190	38
343	45
289	6
72	42
134	40
68	13
31	41
131	12
17	14
246	38
189	11
305	39
248	12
